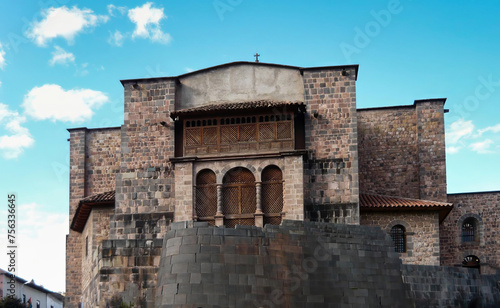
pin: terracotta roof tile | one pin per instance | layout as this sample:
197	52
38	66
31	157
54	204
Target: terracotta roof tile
85	207
237	106
104	197
379	202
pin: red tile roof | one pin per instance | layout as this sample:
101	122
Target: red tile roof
237	106
378	201
370	202
85	207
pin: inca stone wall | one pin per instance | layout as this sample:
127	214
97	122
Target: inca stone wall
402	151
422	233
483	207
442	286
331	171
297	264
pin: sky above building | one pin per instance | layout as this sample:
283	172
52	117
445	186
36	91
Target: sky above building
61	62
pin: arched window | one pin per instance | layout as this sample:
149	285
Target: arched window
469	232
272	195
398	234
471	261
238	197
206	196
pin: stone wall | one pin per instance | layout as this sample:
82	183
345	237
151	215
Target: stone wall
146	181
331	170
94	161
297	264
103	159
483	207
96	230
402	151
441	286
388	151
422	233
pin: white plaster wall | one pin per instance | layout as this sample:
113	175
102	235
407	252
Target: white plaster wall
238	83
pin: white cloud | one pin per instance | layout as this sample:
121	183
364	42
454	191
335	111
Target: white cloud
452	149
482	147
0	83
458	130
147	21
2	57
63	22
188	69
41	241
61	56
112	8
52	102
494	129
116	38
16	137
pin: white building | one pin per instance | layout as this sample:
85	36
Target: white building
26	291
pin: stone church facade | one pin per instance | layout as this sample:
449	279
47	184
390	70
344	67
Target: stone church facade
256	144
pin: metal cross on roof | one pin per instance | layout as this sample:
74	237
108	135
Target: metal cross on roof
256	55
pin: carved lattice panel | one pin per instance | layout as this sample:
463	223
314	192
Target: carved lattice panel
230	200
272	197
228	134
231	223
272	194
210	135
275	220
248	133
206	194
206	200
266	131
284	130
193	136
248	202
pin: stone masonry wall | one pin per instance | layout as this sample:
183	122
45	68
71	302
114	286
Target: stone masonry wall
441	286
422	233
484	208
402	150
97	230
93	166
331	170
388	152
146	183
73	240
431	149
297	264
103	159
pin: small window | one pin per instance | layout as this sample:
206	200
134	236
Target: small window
24	298
86	246
469	230
37	304
398	234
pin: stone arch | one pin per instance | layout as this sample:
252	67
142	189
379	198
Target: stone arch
239	200
478	225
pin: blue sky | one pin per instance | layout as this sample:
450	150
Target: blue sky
61	62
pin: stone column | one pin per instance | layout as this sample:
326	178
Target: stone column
219	217
259	216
